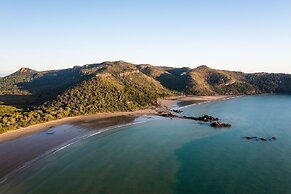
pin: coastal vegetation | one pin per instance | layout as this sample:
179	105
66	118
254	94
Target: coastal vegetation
29	97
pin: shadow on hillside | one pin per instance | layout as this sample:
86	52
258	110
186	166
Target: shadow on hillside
17	100
45	87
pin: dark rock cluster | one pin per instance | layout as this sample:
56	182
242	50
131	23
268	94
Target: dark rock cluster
166	114
204	118
220	125
260	138
207	118
176	111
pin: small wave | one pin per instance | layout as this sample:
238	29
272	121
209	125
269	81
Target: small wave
3	180
194	104
63	147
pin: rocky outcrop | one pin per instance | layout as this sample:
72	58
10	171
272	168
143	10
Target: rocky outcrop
167	114
220	125
204	118
176	111
207	118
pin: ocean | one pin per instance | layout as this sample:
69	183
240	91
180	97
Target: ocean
175	155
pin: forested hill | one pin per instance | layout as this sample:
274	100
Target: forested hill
43	96
30	96
46	85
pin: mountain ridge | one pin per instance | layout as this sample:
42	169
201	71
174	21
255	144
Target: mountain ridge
202	80
29	97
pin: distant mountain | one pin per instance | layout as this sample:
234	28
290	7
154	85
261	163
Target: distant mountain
26	81
206	81
117	86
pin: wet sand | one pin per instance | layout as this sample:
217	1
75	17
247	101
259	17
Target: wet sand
23	145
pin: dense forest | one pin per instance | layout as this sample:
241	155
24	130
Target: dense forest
28	97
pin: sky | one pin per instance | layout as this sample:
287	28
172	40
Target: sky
243	35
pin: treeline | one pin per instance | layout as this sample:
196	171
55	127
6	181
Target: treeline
271	83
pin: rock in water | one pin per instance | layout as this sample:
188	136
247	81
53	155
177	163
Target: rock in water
260	138
176	111
220	125
207	118
248	137
166	114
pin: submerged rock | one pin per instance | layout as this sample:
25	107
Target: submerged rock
260	138
255	137
49	132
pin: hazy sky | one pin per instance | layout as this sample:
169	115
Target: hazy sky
246	35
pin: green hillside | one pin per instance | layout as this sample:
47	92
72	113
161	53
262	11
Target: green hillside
206	81
201	80
108	87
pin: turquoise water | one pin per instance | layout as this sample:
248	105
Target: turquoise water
176	156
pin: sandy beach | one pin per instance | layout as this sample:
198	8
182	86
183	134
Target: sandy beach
11	135
23	145
175	102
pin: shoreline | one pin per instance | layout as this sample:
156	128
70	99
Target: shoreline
14	134
166	103
23	146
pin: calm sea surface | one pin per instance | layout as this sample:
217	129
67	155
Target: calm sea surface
175	156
